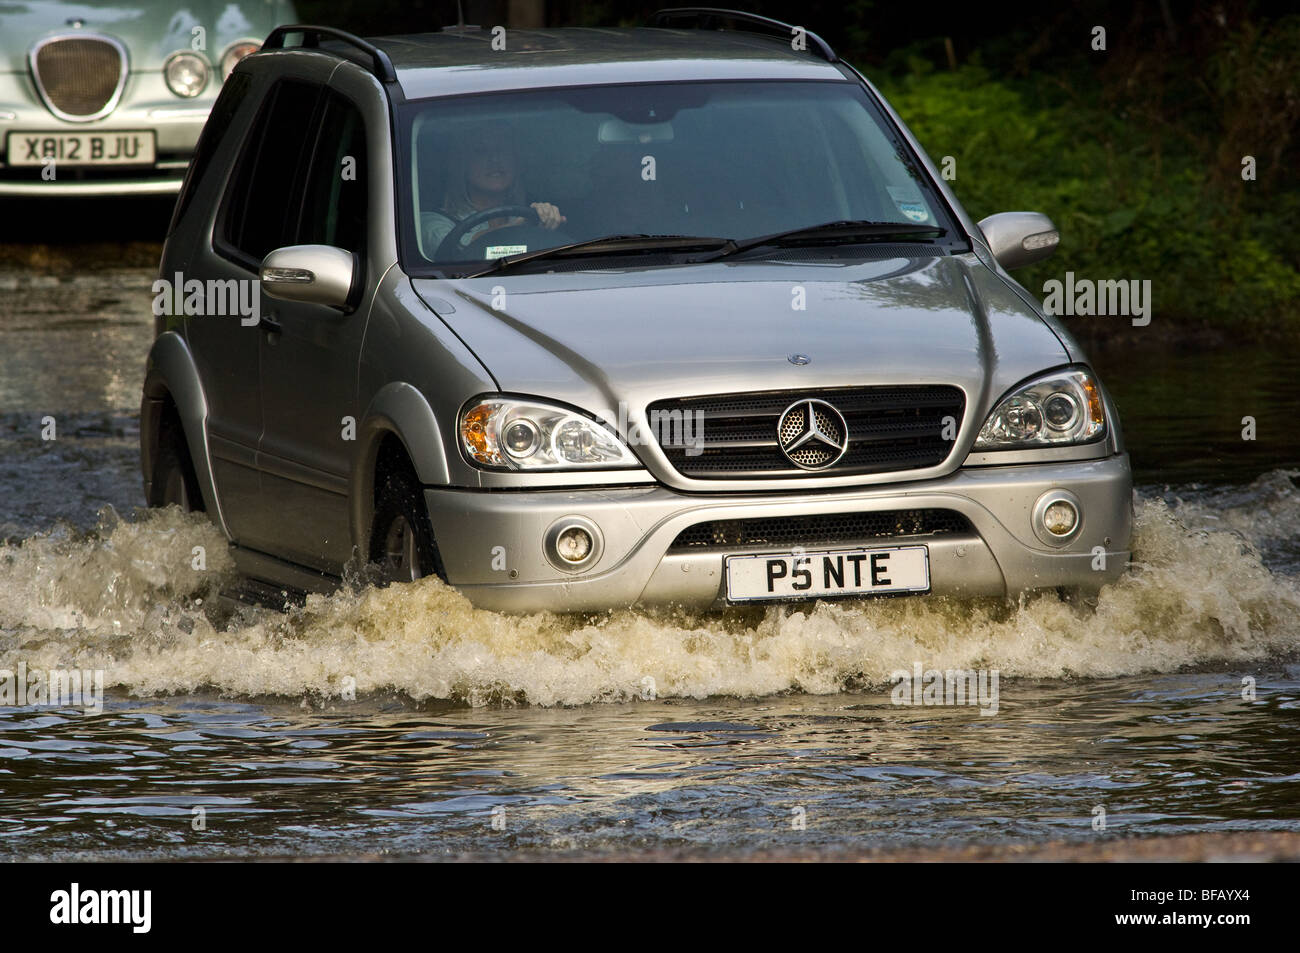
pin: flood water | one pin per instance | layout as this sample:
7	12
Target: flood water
1172	705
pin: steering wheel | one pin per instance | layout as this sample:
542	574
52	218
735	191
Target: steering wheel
450	246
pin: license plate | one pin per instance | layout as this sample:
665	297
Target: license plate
841	572
80	148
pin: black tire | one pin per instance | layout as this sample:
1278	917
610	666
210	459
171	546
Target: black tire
173	480
402	547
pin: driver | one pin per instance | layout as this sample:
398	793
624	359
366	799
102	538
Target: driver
483	176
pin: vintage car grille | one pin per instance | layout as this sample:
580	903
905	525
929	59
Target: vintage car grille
825	529
735	436
79	76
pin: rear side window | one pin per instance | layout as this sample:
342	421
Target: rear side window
233	94
261	205
334	203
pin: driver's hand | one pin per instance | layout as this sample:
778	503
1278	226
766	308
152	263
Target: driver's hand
550	215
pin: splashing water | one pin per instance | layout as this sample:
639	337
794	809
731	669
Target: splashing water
126	599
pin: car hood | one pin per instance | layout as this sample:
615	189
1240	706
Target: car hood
150	31
598	338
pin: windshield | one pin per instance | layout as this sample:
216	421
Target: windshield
491	176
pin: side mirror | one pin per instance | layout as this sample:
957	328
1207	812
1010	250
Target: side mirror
1020	238
316	274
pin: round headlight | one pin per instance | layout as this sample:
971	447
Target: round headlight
1061	411
521	437
186	74
234	53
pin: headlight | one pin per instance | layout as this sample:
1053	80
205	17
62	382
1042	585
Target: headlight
186	74
234	53
512	434
1057	409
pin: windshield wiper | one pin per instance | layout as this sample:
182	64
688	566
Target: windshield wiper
831	231
603	245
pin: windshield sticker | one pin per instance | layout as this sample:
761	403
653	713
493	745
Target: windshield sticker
909	202
916	213
501	251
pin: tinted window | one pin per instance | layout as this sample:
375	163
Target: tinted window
720	160
232	97
334	203
262	203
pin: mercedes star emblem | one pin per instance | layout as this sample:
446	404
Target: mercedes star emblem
812	434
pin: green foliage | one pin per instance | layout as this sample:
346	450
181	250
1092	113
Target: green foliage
1131	201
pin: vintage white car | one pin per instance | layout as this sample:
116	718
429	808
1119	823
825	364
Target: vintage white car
104	98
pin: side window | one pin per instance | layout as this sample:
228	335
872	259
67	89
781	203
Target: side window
260	208
334	201
233	94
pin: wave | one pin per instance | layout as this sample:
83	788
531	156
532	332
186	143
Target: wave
126	598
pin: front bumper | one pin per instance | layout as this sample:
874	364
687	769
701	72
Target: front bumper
146	105
492	543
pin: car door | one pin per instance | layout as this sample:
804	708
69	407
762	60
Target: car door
309	358
258	213
225	350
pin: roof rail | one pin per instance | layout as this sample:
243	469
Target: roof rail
712	17
381	65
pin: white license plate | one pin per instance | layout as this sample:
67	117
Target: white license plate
80	148
840	572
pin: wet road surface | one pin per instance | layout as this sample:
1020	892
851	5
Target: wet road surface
1172	705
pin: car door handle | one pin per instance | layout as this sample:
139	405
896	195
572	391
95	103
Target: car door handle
269	324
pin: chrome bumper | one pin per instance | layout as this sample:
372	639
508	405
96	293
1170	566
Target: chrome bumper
146	104
91	188
491	543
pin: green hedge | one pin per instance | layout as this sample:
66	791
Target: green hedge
1130	203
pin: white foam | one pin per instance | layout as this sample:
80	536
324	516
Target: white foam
125	599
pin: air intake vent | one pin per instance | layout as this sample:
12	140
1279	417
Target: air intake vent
827	529
79	77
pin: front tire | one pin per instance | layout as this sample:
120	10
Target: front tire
401	536
173	481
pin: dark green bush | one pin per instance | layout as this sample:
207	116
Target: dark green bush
1131	201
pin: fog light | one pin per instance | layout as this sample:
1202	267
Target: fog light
574	544
1057	517
1061	518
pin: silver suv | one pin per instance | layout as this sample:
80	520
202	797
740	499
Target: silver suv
577	319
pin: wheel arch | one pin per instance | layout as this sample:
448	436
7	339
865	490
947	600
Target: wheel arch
398	416
172	380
